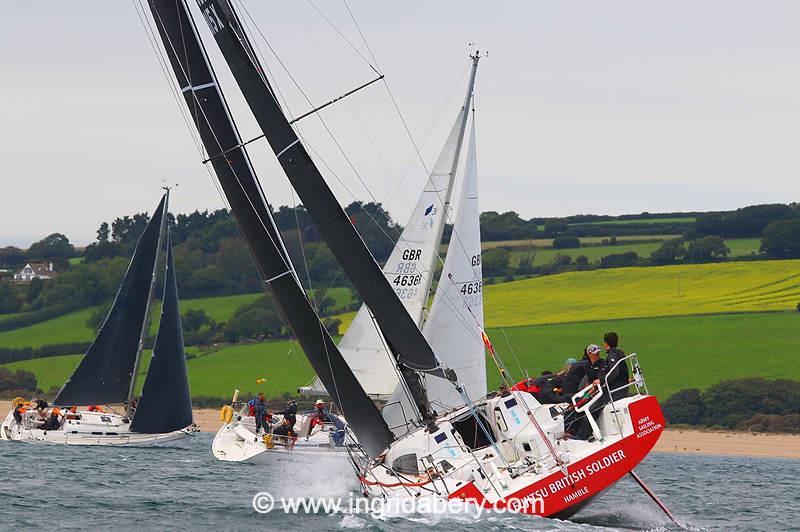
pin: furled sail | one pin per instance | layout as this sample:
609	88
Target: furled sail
105	372
410	270
166	403
253	216
402	334
455	321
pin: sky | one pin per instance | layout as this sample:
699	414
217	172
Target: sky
581	107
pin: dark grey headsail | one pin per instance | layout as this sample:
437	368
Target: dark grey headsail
105	372
253	216
166	403
402	334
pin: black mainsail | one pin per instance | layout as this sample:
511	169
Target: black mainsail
403	336
105	372
253	216
166	404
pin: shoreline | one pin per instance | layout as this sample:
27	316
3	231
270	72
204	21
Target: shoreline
676	441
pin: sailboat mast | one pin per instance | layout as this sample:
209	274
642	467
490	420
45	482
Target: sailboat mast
456	156
149	307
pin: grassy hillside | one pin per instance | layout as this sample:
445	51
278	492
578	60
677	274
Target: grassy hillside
72	327
216	374
739	247
675	353
62	330
646	292
658	311
652	221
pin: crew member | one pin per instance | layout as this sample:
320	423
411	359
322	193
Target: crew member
618	376
290	412
258	409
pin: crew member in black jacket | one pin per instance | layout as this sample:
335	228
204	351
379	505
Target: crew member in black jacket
616	377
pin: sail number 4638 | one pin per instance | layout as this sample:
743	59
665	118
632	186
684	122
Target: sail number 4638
474	287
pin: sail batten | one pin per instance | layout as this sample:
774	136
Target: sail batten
105	372
253	216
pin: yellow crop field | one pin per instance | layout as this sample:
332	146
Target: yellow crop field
757	286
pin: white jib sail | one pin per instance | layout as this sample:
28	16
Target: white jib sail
456	317
410	271
454	324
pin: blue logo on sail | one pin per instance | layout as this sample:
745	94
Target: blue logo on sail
429	210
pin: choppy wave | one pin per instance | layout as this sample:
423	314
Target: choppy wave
183	486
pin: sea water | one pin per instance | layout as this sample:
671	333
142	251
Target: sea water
45	486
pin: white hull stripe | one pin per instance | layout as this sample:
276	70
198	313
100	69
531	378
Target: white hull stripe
198	87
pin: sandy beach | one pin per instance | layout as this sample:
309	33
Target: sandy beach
721	443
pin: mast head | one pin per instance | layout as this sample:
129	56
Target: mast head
475	54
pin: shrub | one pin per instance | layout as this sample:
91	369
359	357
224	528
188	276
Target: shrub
685	406
566	242
619	260
781	239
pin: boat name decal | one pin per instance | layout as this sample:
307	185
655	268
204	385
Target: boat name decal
645	426
578	475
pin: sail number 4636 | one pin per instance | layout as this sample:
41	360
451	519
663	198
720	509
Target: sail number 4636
408	280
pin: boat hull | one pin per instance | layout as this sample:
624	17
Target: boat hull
237	442
562	495
91	429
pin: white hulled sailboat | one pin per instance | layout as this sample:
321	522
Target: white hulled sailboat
106	375
499	450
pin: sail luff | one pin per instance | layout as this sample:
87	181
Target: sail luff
253	217
148	309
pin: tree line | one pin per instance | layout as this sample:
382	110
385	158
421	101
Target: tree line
211	258
753	404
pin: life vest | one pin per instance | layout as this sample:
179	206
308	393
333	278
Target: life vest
526	385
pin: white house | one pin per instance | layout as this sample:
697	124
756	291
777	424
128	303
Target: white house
36	270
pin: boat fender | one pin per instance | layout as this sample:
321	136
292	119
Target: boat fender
268	443
226	414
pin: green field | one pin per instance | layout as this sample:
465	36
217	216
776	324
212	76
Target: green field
651	221
693	325
62	330
739	247
215	374
620	293
675	353
72	327
548	242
